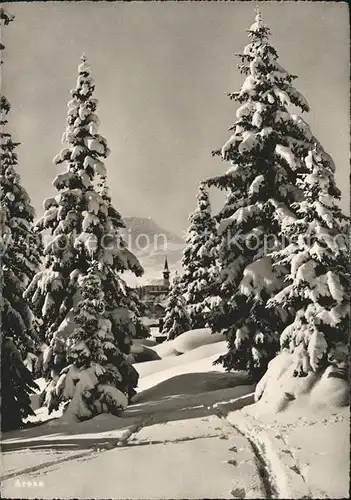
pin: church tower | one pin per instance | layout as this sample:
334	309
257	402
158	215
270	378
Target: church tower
166	274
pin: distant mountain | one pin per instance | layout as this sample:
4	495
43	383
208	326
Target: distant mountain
143	231
152	244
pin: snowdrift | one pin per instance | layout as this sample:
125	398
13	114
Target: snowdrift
188	341
192	362
145	350
279	389
196	338
205	351
196	382
166	349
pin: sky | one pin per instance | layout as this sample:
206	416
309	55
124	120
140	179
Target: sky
162	71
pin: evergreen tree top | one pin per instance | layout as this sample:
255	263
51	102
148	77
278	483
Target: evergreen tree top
320	225
202	225
203	199
5	19
266	135
5	16
259	62
258	30
199	259
20	257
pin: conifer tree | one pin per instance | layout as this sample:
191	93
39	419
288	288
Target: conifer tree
176	318
200	275
138	309
96	358
318	280
85	230
19	261
265	153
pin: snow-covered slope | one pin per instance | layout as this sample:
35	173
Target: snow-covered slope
185	401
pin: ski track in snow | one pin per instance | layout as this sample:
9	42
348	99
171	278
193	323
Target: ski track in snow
265	472
225	429
274	476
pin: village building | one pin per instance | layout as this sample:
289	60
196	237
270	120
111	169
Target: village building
154	296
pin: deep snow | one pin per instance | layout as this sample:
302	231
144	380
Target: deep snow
187	437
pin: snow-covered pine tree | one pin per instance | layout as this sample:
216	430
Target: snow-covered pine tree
93	382
138	309
176	317
265	153
5	235
199	262
318	282
19	261
85	229
16	381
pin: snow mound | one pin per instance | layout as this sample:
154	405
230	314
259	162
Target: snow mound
166	349
279	389
203	364
168	362
188	341
197	382
330	391
195	338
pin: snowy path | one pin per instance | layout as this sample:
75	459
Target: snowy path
184	453
189	435
193	446
188	444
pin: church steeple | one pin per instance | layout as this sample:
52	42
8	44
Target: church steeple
166	274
